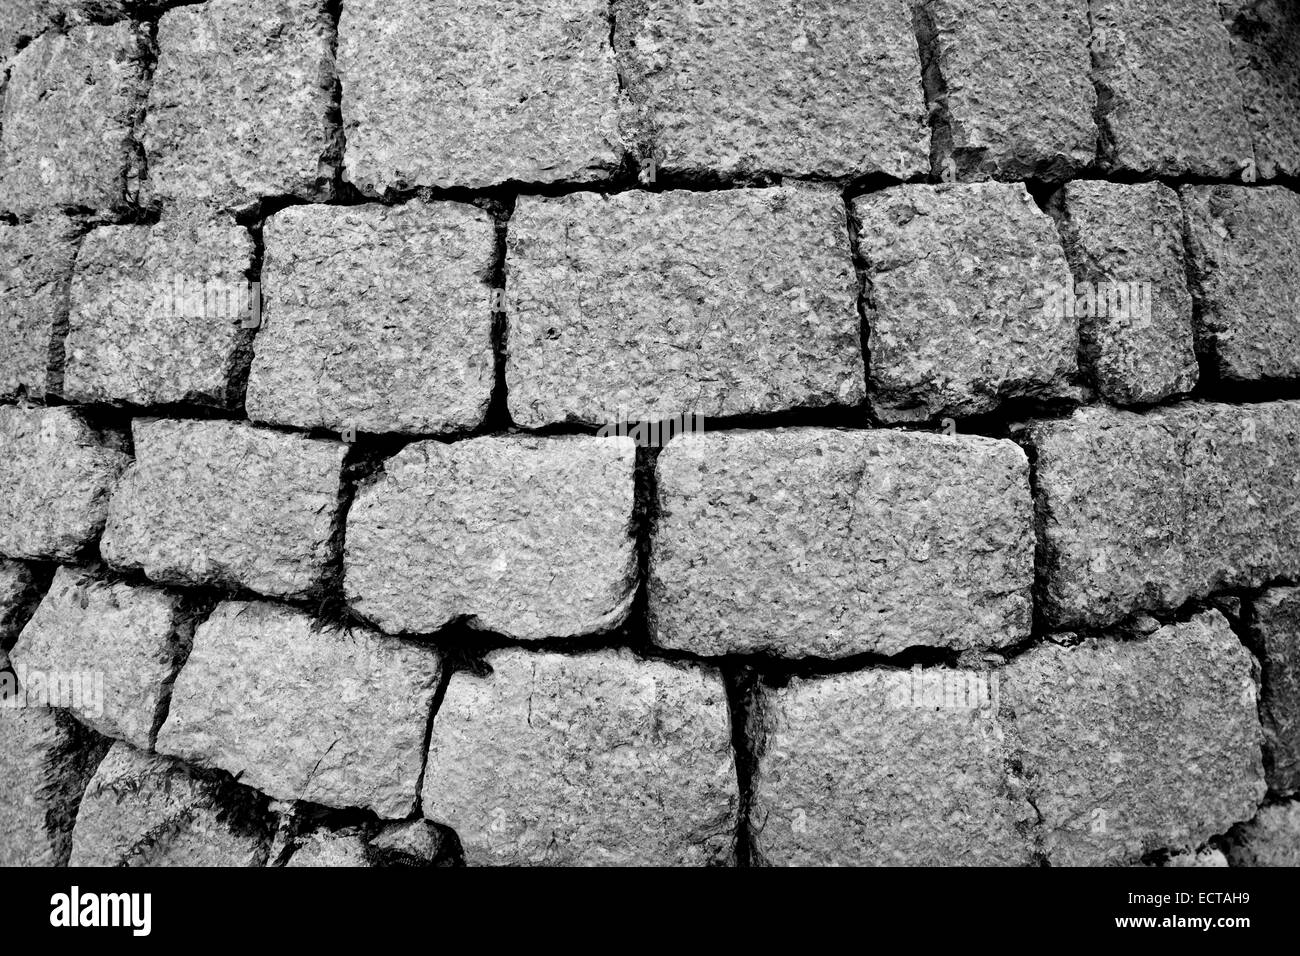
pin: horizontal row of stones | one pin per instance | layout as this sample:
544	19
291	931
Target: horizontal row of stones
242	103
645	306
796	542
1119	746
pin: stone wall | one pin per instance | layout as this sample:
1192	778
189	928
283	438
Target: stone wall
647	432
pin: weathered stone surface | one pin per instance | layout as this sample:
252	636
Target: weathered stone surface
1125	245
46	758
144	810
1130	746
645	306
1015	85
376	318
69	110
522	92
1271	839
120	645
961	277
156	310
1245	248
1171	102
217	502
596	759
27	19
858	769
817	542
1275	634
727	87
1143	512
35	271
241	102
529	537
56	472
1206	856
1266	45
19	591
407	844
332	848
303	711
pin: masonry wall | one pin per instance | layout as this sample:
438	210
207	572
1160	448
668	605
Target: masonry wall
655	433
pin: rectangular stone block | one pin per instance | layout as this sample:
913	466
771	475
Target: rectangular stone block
376	318
1125	245
1013	81
57	471
20	590
543	93
596	759
35	271
1266	47
144	810
865	769
1274	624
223	503
1245	250
66	130
303	711
107	651
1129	746
645	306
1170	100
1144	512
156	312
527	537
46	759
960	283
726	88
823	543
241	107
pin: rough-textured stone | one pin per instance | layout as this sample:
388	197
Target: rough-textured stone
1206	856
376	318
35	271
69	111
1143	512
241	103
529	537
596	759
27	19
1266	44
121	644
156	311
46	758
1275	633
857	770
1245	247
1130	746
645	306
1014	86
1125	245
331	848
216	502
1271	839
144	810
56	474
303	711
816	542
1170	100
19	592
960	277
729	87
522	92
